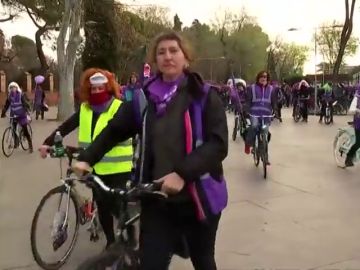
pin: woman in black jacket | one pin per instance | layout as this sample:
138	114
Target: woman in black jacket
166	157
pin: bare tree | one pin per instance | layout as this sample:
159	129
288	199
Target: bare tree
345	35
68	42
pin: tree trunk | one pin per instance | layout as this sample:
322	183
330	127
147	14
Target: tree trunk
39	49
345	36
66	54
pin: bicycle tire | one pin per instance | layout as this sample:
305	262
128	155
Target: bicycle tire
6	135
341	139
327	119
264	157
297	114
117	258
36	255
235	130
23	141
256	152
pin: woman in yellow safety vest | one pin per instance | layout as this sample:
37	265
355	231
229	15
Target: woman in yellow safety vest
99	94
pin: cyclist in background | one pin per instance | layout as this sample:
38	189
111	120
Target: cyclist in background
19	109
261	100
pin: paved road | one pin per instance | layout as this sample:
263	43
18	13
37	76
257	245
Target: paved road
306	216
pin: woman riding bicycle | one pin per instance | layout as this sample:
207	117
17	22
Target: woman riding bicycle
181	145
19	109
326	97
350	155
261	101
99	94
237	95
301	95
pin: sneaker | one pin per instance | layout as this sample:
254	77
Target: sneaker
280	119
247	149
349	163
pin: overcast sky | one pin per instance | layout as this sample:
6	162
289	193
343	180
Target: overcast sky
274	16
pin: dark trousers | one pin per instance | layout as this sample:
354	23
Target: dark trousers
303	109
38	113
163	229
323	111
280	105
26	134
107	203
355	147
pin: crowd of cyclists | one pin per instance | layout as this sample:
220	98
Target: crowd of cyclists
182	132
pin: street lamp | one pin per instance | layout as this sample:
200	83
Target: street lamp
211	59
292	29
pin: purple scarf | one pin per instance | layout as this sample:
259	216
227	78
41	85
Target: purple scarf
161	93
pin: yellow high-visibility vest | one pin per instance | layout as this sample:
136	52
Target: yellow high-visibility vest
119	158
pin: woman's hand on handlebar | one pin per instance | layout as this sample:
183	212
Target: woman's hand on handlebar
171	183
44	150
81	167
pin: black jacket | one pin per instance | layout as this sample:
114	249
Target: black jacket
206	158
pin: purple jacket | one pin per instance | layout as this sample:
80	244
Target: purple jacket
39	97
261	100
237	98
357	116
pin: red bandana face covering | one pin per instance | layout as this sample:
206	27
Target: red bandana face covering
99	98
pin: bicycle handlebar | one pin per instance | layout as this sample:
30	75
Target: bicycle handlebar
263	116
69	151
138	190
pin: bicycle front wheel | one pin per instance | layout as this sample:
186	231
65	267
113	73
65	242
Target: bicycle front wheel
8	142
60	234
264	155
256	152
23	140
297	114
117	258
327	117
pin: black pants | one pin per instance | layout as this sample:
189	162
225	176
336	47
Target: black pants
162	229
355	147
280	105
323	111
26	134
304	112
107	203
39	112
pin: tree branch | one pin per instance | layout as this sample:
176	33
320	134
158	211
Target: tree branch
33	19
8	18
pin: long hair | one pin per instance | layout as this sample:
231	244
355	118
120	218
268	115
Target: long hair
85	87
133	74
258	76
